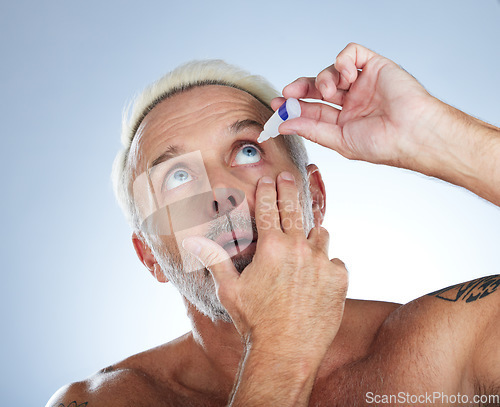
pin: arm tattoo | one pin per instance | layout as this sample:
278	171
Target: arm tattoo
73	404
469	292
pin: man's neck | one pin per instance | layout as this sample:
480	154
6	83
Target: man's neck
217	348
218	343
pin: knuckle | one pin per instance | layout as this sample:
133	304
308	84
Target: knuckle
319	77
271	241
312	135
265	202
264	193
321	237
302	249
290	205
209	257
343	277
319	113
290	188
323	233
341	274
338	262
323	76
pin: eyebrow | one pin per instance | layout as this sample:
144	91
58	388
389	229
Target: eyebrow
235	128
240	125
169	153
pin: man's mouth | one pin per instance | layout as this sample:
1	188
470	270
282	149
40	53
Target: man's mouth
236	241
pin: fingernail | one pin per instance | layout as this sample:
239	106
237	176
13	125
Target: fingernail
287	176
267	180
192	246
277	99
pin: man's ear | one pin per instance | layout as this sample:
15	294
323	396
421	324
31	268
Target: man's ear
147	258
318	196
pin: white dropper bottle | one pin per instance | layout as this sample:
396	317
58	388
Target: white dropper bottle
288	110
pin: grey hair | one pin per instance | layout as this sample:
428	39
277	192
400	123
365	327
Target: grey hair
183	78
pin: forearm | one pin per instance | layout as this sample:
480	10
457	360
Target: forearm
462	150
268	379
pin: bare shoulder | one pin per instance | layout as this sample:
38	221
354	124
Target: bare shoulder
465	310
473	302
461	313
474	308
136	381
443	343
472	292
116	388
454	329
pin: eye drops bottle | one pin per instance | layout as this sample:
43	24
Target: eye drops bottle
288	110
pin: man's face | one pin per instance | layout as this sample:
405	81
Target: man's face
198	156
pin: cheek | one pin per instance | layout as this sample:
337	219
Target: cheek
272	168
173	242
169	246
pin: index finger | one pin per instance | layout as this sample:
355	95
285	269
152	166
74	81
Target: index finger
302	88
352	58
266	208
325	87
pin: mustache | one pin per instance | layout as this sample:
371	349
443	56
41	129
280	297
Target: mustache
236	220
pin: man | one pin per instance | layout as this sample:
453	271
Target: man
271	325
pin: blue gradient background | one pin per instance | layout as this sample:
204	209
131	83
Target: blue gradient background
74	297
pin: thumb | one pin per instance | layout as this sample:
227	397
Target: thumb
213	257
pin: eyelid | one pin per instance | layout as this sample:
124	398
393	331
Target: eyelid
176	166
242	143
239	145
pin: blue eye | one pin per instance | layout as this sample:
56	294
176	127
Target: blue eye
247	155
178	178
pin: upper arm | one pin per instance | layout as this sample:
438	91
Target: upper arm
74	395
479	304
487	357
486	360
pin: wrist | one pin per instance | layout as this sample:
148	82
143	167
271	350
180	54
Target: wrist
269	378
428	149
440	147
460	149
288	350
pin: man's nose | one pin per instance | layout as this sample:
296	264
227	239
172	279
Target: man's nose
225	197
225	200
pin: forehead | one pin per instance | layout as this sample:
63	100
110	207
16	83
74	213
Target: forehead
186	117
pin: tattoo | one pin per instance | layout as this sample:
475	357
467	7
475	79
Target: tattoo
469	292
73	404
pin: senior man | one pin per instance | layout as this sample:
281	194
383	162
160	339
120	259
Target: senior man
235	226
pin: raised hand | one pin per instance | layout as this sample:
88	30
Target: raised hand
287	304
387	117
291	288
383	109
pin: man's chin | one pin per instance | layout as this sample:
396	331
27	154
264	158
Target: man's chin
240	260
241	254
244	258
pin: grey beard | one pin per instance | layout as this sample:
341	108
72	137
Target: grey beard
198	287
